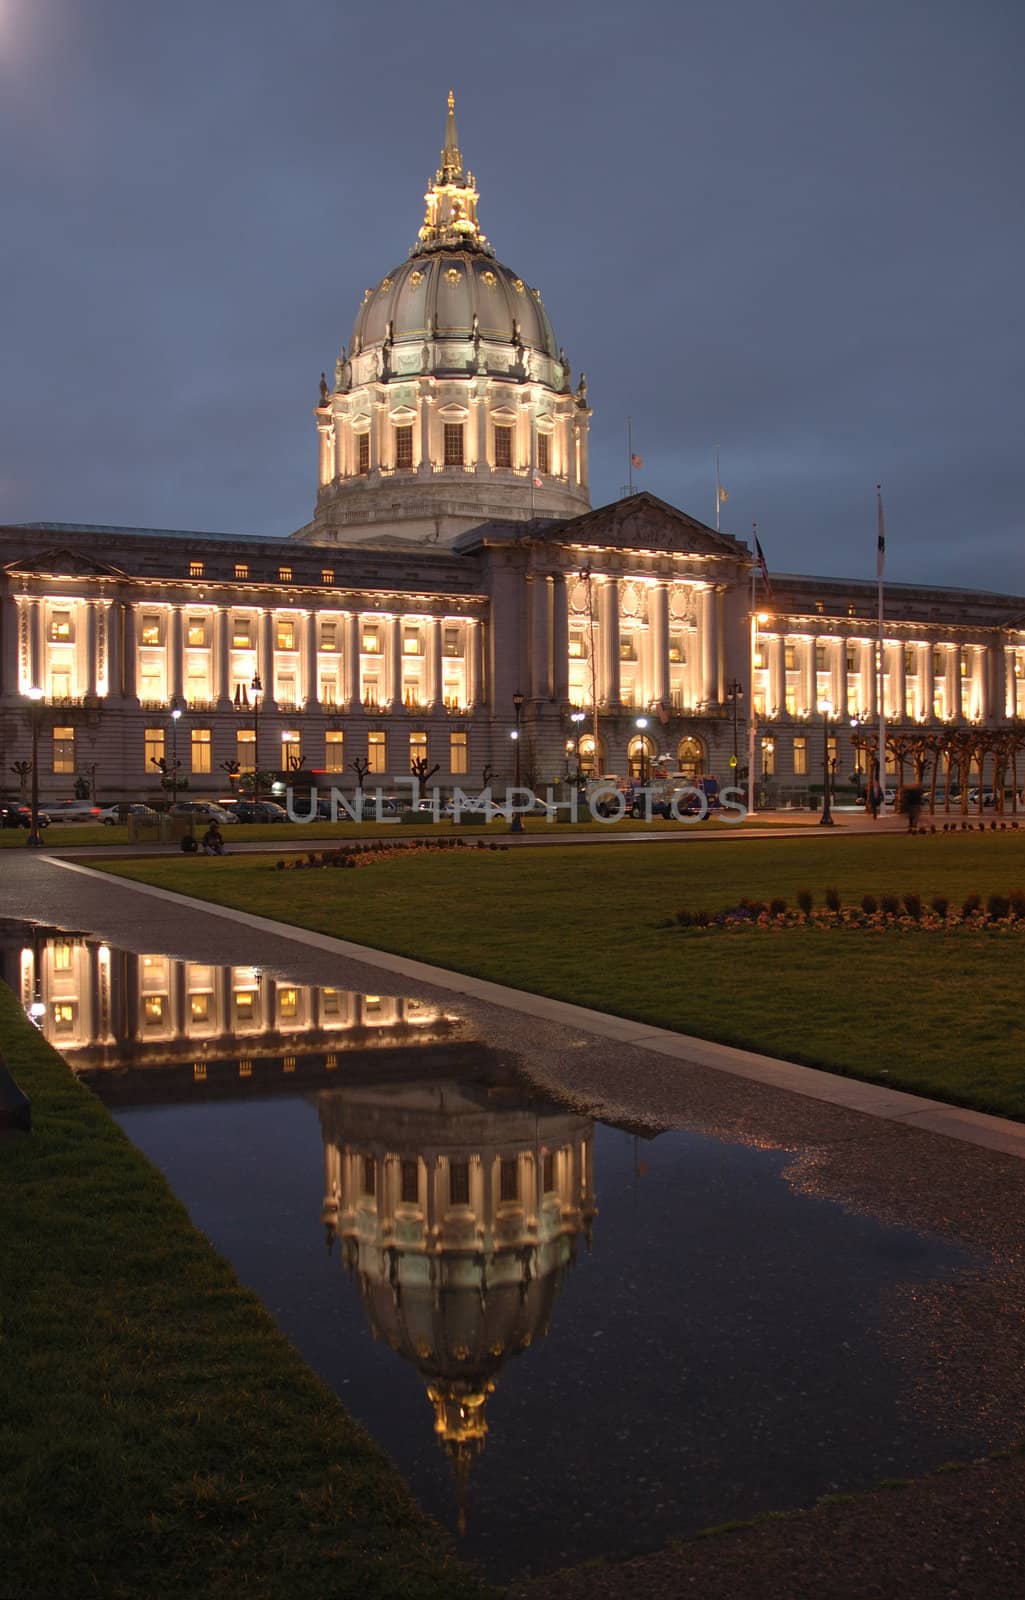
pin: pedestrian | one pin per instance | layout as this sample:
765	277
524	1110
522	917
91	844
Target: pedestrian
213	841
911	805
875	798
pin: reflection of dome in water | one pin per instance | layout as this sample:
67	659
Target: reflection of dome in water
458	1206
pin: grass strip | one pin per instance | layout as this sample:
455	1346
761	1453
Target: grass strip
938	1014
158	1435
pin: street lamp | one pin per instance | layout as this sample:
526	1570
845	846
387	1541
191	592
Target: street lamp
256	690
34	696
735	693
176	712
826	819
577	717
641	723
516	822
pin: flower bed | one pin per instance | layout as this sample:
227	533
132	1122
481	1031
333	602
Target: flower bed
367	855
998	913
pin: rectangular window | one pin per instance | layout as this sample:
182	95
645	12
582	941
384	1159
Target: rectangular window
404	447
938	663
377	752
800	757
329	691
241	569
369	1175
457	752
790	657
459	1183
242	633
677	649
371	693
284	574
503	447
362	452
451	642
291	752
410	1182
60	683
790	700
195	569
62	629
371	642
821	658
285	633
334	750
151	631
329	636
768	757
64	750
327	574
910	661
453	439
509	1179
286	693
417	747
578	645
153	747
852	658
544	454
627	650
195	632
201	749
831	749
245	749
411	642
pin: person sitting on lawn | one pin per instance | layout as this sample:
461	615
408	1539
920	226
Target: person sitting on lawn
213	842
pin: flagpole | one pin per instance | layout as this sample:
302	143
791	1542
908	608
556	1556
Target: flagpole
718	489
751	704
629	455
880	563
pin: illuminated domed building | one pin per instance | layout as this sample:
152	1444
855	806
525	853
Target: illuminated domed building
454	588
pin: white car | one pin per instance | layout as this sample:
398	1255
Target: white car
203	811
111	815
73	811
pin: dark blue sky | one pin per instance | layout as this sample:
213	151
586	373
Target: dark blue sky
796	229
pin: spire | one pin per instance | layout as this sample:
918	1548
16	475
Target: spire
451	155
451	219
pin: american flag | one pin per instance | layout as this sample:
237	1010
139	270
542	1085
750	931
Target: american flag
762	568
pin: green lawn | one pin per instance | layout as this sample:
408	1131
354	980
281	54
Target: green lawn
933	1012
158	1436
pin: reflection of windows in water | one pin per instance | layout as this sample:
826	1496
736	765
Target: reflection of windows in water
245	1005
200	1007
410	1182
288	1002
369	1175
548	1171
153	1009
509	1179
459	1183
371	1005
330	1002
288	1063
63	1014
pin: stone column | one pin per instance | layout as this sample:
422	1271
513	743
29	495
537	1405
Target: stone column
312	683
425	433
720	651
980	672
113	630
838	676
658	617
434	684
176	655
867	678
1010	683
899	692
129	650
393	689
926	686
807	699
709	691
222	660
609	621
955	707
482	434
16	618
560	639
777	677
265	656
37	674
350	661
540	676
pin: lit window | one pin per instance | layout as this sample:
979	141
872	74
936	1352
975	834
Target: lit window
284	574
242	633
153	1010
371	693
291	754
377	752
63	1015
241	569
151	631
201	749
451	645
285	694
411	645
329	691
578	646
821	658
404	447
199	1007
417	747
327	574
627	650
334	750
544	454
790	657
61	627
61	956
371	641
153	745
195	569
196	631
852	658
64	750
453	444
677	649
457	752
245	749
285	634
60	683
329	636
910	661
800	756
288	1003
363	452
503	447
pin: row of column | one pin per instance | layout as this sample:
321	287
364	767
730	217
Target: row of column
992	677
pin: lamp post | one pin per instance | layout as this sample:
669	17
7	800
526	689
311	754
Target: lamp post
641	723
826	819
176	712
577	717
768	750
34	697
516	821
256	690
735	692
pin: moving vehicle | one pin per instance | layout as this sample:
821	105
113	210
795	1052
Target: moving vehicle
15	814
73	811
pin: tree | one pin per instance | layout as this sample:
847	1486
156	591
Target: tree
232	768
421	771
22	771
361	766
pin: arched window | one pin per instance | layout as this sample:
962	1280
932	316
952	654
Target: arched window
640	757
587	763
691	758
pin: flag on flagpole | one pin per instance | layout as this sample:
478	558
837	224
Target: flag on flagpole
723	495
538	481
881	540
636	461
762	568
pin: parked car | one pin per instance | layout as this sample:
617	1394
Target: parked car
988	798
73	811
14	814
256	811
120	813
202	811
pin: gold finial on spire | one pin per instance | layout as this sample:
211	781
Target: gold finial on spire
451	219
451	155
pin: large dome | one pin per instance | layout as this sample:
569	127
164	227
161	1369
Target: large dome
454	293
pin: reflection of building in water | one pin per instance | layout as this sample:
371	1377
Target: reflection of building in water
458	1204
147	1027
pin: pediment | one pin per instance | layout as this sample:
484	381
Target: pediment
64	562
643	522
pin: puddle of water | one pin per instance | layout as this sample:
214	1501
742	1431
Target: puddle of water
573	1341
